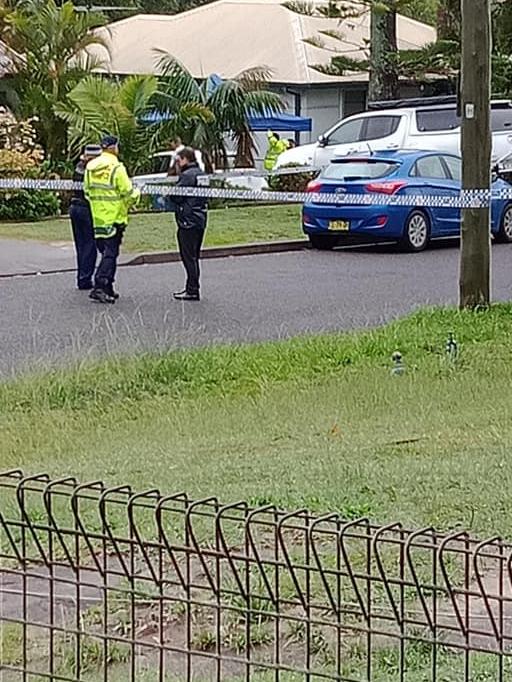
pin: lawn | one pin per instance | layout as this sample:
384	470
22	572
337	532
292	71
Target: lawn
157	231
318	422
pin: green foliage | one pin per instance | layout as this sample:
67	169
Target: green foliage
21	156
53	40
229	105
441	58
28	205
184	108
97	106
295	182
421	10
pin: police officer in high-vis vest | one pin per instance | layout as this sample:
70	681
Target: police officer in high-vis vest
110	193
276	147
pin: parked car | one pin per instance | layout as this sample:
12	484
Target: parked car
394	173
417	124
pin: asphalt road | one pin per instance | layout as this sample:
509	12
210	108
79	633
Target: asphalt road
44	321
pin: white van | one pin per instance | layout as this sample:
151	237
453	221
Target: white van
419	124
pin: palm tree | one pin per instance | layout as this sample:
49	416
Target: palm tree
97	106
231	103
54	41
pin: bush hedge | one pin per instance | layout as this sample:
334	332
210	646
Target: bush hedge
22	157
295	182
25	205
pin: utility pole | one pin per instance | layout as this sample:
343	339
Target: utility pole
475	96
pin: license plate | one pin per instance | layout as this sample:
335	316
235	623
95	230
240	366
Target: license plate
339	225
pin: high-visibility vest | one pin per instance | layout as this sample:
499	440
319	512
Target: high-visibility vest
275	148
110	193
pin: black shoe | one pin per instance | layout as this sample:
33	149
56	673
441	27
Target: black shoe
114	294
185	296
101	296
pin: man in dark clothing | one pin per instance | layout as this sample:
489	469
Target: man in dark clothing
191	218
81	224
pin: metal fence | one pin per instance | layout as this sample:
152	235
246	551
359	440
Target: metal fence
100	583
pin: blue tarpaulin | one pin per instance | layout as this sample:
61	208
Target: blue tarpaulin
281	123
276	122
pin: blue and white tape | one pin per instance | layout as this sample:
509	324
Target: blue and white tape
478	198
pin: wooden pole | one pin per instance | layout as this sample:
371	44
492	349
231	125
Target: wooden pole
476	151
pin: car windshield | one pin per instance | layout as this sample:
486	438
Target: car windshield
365	169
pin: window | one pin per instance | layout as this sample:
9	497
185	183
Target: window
161	164
432	120
354	102
429	167
501	119
347	132
360	170
454	166
377	127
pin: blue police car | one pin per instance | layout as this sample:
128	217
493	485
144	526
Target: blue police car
395	174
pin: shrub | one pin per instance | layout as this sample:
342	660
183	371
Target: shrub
28	205
21	157
295	182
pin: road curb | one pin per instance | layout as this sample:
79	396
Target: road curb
222	251
160	257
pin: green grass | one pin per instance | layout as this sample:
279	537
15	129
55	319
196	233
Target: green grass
316	422
157	231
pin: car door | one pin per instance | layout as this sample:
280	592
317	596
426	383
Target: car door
435	181
383	132
362	134
454	167
342	140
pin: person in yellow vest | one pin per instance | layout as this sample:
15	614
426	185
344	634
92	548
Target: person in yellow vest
276	146
110	193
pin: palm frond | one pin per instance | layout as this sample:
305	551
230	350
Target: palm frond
254	78
175	79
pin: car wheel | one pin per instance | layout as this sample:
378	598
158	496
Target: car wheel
323	242
416	232
504	234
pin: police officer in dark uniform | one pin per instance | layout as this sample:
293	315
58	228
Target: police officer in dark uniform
191	218
81	224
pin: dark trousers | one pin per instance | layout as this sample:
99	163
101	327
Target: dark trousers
190	241
109	249
85	245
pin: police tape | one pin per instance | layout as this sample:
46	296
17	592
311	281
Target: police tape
474	198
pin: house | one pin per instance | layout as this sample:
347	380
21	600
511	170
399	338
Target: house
229	36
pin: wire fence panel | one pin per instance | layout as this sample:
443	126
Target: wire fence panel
109	584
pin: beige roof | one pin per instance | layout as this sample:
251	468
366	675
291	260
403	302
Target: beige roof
229	36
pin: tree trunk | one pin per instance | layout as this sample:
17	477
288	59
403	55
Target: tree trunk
244	157
383	83
476	151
